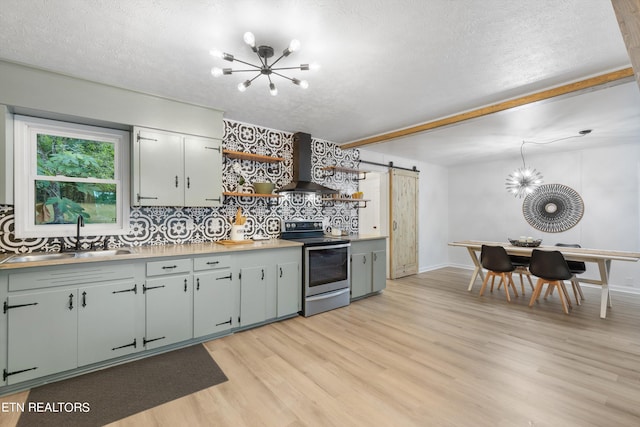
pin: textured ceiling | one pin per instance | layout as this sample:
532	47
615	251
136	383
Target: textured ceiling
384	64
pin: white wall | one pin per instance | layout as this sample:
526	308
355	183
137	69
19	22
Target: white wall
607	179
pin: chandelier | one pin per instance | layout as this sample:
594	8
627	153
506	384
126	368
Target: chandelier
525	180
264	68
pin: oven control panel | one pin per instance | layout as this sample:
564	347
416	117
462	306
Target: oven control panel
302	226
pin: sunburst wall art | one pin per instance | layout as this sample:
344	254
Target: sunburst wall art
553	208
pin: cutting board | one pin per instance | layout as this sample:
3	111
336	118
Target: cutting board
234	242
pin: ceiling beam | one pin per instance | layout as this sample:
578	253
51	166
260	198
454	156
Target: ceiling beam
628	15
494	108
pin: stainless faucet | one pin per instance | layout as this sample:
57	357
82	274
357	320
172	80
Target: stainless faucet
79	224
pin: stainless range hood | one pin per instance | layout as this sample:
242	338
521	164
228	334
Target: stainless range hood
302	168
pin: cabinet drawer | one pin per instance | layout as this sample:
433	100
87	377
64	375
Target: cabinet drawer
171	266
212	262
46	277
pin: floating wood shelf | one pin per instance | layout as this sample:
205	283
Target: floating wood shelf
344	199
233	194
253	157
334	169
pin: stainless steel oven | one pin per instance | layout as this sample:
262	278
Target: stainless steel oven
327	277
326	269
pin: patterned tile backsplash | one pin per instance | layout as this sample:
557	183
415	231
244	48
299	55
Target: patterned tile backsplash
178	225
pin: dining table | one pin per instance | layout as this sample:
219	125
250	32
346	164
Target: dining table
601	257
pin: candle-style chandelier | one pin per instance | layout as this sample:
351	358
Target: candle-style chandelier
264	68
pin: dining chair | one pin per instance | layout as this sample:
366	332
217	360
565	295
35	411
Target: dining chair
521	264
576	267
498	264
550	267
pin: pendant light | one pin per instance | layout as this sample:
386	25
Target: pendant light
525	180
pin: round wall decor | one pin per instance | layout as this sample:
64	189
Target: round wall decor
553	208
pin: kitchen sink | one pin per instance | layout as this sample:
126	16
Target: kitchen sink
104	253
39	257
48	256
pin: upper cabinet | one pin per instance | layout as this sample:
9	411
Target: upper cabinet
171	169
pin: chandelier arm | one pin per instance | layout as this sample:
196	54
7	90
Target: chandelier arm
281	75
286	68
242	71
247	63
257	75
274	62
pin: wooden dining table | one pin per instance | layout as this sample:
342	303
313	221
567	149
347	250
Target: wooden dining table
602	258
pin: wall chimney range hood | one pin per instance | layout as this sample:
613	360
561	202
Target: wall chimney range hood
302	168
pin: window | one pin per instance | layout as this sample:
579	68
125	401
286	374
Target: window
65	170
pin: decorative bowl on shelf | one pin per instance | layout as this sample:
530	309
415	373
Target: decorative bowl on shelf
526	243
263	187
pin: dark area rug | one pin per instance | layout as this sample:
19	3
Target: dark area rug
101	397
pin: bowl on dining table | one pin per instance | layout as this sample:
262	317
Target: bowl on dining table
526	243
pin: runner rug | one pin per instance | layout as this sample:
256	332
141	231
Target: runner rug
104	396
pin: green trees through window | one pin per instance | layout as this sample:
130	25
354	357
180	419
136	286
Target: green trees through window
81	182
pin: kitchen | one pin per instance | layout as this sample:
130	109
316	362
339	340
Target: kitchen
453	196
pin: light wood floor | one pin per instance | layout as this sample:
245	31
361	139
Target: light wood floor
425	352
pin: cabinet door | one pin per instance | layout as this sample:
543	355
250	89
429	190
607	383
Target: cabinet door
379	270
289	288
42	334
203	171
169	315
213	302
253	295
160	168
360	274
106	322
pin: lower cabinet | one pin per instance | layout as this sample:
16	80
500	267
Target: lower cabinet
213	308
61	318
106	321
270	285
169	315
42	334
368	267
289	289
257	289
56	320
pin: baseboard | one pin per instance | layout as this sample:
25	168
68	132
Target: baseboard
612	286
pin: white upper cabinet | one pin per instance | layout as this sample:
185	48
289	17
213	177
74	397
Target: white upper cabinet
171	169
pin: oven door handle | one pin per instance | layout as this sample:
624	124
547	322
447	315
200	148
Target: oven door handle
328	295
324	247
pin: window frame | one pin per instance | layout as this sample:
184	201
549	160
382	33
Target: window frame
26	130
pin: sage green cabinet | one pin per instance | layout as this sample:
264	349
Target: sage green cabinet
289	288
257	289
169	310
61	317
213	309
361	272
171	169
42	334
270	284
368	267
106	321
